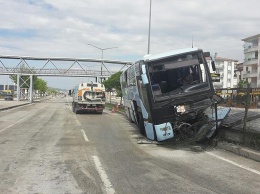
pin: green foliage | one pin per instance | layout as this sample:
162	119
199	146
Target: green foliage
242	83
52	91
41	85
38	83
114	83
24	79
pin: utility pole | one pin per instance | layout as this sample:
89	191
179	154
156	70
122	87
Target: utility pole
246	112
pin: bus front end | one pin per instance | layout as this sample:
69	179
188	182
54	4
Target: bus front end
179	93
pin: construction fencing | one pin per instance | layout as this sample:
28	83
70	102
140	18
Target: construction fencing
239	97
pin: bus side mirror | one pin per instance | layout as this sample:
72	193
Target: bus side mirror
213	65
144	76
206	54
143	69
144	79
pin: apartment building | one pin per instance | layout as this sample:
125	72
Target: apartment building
251	63
226	68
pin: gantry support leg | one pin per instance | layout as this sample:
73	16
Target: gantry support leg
31	88
18	88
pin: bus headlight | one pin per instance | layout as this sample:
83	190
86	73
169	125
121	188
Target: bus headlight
182	108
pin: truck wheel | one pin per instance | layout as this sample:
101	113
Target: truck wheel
76	110
141	123
73	107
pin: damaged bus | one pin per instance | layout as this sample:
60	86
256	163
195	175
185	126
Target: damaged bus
167	95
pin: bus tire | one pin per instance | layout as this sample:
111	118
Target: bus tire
141	123
129	116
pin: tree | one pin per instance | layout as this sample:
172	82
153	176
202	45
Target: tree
242	83
113	82
242	98
38	83
41	85
24	79
52	91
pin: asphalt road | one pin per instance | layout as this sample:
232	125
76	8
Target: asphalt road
46	148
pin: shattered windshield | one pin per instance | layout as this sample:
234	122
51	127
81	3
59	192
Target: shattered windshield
182	74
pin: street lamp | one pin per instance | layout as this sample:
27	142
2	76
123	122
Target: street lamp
149	31
102	49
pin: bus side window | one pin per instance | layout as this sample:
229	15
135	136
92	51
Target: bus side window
137	70
131	76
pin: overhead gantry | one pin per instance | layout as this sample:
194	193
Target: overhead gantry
26	67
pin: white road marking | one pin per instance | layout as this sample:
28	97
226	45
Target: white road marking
14	123
84	135
77	121
231	162
103	176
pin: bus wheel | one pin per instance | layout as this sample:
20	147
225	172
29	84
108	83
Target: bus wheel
128	115
141	123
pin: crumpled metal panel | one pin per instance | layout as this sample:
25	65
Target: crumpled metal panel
164	131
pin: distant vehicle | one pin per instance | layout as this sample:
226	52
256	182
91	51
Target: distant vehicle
88	97
8	96
167	95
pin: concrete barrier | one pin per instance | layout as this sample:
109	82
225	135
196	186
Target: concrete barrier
242	151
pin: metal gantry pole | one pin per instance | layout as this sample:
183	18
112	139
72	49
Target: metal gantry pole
31	88
101	66
18	87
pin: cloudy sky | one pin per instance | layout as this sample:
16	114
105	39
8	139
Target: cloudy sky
61	28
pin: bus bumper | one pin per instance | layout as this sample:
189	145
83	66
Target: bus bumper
162	131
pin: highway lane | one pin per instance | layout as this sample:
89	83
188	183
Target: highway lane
46	148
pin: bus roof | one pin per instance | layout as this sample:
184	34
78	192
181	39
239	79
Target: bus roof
170	53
